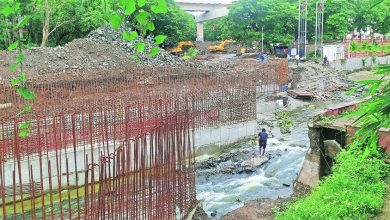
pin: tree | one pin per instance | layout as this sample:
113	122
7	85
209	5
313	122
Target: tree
71	13
177	24
214	29
337	19
247	17
377	18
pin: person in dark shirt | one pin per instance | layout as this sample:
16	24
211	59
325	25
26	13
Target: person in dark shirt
263	136
326	62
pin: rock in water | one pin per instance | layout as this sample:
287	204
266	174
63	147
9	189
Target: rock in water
251	164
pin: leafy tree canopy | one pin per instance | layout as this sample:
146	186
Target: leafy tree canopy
280	20
70	19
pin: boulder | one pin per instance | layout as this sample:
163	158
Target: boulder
253	163
332	148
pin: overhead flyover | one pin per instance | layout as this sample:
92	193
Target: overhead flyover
205	10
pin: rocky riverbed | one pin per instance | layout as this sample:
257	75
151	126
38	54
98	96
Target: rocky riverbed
236	181
228	180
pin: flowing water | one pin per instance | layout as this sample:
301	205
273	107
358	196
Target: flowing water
222	193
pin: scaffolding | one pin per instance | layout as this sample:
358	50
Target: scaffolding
320	6
302	29
119	144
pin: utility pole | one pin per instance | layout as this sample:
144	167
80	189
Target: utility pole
319	27
316	36
302	28
262	39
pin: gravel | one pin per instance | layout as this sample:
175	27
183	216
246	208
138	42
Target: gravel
103	49
107	35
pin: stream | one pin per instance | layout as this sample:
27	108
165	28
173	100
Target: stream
222	192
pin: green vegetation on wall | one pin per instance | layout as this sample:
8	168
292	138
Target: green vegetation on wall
369	47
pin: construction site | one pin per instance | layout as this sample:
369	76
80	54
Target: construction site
115	134
118	142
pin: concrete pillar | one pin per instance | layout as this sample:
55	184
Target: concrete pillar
199	31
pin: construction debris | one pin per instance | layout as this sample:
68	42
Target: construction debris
107	35
316	82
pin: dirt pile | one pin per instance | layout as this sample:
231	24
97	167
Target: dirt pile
78	54
107	35
319	79
103	49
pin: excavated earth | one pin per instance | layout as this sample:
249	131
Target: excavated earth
103	49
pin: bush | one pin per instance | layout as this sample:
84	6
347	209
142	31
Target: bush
355	190
284	121
354	46
366	46
190	54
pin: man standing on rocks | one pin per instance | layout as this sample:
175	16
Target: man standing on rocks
263	136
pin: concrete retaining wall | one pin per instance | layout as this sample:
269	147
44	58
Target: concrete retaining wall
353	64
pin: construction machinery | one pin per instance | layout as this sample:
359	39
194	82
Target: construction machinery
182	47
220	47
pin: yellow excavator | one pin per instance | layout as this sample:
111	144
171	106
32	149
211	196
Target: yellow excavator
220	47
183	46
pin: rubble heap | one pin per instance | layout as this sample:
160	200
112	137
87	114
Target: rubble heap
107	35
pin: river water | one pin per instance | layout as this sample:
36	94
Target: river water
222	193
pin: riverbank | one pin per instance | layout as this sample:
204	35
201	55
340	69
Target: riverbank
229	191
266	209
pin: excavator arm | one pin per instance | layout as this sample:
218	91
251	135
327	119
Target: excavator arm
220	47
181	47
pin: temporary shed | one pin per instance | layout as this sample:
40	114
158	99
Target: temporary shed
333	52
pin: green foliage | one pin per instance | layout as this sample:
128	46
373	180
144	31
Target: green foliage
280	18
162	19
24	129
160	39
129	36
327	120
26	93
13	46
70	19
247	17
176	24
311	54
355	190
154	51
116	20
374	114
19	82
214	30
368	47
140	47
337	19
190	54
374	14
284	121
